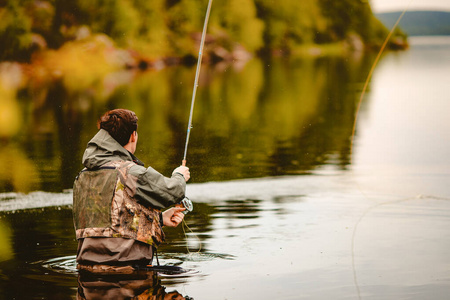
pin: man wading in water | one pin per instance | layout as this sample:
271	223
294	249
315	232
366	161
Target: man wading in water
117	202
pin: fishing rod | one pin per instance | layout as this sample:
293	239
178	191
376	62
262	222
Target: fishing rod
197	73
186	203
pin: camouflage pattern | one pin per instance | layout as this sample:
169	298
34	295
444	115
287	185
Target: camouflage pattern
104	206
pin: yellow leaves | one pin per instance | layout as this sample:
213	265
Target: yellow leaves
11	79
80	64
10	116
18	170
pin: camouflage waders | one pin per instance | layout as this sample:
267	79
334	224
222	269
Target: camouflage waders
104	206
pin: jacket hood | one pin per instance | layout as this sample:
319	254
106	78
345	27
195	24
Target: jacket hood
102	149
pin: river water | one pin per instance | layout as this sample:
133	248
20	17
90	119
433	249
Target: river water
281	207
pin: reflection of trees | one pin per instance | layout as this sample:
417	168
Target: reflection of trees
53	136
18	172
41	233
6	251
274	117
68	120
323	137
295	115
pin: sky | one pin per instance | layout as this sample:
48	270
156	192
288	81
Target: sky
393	5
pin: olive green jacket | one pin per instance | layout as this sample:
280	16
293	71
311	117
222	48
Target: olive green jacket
115	196
152	189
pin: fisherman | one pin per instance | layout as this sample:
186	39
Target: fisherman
117	202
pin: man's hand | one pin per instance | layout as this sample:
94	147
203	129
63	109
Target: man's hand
183	171
173	216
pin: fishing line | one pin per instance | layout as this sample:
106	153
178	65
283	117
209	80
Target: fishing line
197	73
369	209
355	278
363	92
196	236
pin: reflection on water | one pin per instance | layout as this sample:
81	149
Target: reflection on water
281	236
146	286
283	116
6	249
404	132
65	264
377	229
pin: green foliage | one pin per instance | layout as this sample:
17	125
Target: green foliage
290	22
132	24
346	16
116	18
184	18
152	35
162	28
239	20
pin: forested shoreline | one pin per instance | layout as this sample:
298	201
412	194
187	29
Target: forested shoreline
168	31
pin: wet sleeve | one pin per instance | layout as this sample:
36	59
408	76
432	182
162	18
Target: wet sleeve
154	189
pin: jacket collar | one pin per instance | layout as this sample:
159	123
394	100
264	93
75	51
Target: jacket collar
103	148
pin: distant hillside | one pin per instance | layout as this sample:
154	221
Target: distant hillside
419	22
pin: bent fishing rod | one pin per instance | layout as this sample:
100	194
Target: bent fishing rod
197	73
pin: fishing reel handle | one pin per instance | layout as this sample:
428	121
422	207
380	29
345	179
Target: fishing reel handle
187	204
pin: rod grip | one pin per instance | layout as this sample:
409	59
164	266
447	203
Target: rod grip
183	163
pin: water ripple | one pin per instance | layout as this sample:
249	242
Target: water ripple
65	264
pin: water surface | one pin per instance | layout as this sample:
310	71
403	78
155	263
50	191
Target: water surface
281	209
